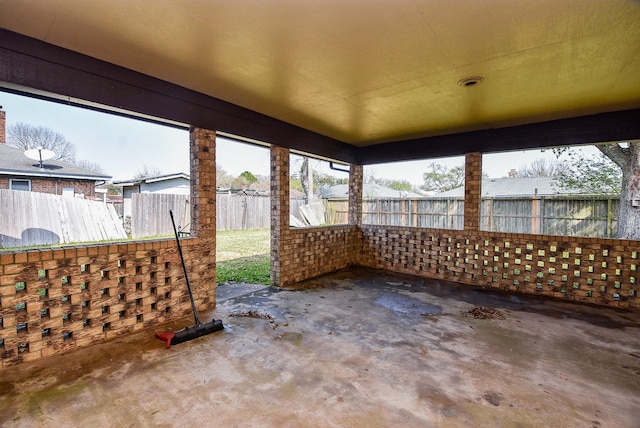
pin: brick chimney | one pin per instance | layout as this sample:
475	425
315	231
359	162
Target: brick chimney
3	126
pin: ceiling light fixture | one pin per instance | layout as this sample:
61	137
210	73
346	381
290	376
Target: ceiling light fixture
470	81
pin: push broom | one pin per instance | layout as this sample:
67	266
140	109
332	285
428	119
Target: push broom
198	330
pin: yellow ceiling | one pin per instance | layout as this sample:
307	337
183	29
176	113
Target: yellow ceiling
366	71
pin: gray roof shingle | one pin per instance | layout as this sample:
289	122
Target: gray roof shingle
13	162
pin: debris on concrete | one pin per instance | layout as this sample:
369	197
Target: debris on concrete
255	314
484	312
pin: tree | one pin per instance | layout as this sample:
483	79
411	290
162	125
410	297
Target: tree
440	178
400	185
627	157
112	189
599	175
245	179
223	178
595	174
25	136
92	166
542	167
146	172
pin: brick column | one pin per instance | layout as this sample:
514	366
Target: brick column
355	194
3	126
279	209
472	189
203	184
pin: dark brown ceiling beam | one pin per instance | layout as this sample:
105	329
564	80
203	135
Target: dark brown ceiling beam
51	72
599	128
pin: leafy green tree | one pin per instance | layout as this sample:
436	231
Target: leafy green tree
440	178
595	174
244	180
248	178
112	189
400	185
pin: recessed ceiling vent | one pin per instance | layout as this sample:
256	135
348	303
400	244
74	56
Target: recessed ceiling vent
471	81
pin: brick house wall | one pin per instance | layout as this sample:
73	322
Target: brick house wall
56	186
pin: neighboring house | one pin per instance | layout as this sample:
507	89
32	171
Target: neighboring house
513	186
369	191
18	172
175	184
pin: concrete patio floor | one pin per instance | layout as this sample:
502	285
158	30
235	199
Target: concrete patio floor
360	348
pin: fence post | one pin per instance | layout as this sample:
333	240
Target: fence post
535	214
609	217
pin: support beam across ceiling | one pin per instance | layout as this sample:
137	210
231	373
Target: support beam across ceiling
51	72
599	128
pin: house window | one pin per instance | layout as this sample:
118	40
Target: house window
20	185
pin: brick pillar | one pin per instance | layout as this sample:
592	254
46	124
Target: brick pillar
472	189
3	126
355	194
203	184
279	209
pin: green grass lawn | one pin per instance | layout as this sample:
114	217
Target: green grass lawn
243	256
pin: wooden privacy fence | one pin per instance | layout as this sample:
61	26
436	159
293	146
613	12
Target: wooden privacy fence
439	213
582	215
150	214
32	218
589	216
235	211
557	215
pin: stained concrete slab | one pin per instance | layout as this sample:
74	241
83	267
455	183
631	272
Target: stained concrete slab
360	348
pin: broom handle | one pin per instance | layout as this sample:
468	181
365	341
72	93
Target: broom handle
184	268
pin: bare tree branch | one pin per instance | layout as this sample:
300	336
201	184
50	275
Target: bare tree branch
25	136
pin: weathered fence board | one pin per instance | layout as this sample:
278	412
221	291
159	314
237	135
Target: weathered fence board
32	219
557	215
240	211
150	214
569	216
433	213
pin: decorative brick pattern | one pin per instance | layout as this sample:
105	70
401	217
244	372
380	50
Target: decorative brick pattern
599	271
310	252
52	301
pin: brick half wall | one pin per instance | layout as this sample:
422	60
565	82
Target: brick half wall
598	271
53	301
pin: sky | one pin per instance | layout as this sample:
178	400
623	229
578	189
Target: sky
124	146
